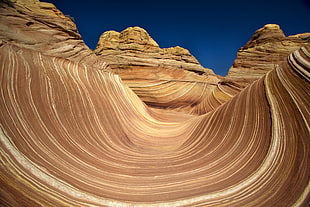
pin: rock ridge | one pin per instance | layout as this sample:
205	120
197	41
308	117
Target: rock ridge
150	70
42	27
267	47
134	46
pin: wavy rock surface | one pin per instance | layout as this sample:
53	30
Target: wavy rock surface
71	135
267	48
42	27
74	135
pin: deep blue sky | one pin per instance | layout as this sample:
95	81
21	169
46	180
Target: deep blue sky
212	31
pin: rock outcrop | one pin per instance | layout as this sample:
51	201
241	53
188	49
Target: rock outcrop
267	48
135	47
42	27
151	71
72	134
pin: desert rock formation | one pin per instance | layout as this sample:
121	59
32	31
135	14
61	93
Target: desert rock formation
42	27
267	48
73	134
135	47
163	78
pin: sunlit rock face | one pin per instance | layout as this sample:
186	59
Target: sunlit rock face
73	134
42	27
267	48
163	78
135	47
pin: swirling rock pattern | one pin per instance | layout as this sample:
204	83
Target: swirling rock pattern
74	135
71	135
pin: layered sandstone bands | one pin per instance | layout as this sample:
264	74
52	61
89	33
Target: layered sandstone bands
267	48
163	78
42	27
135	47
72	134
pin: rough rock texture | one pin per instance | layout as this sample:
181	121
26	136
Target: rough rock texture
74	135
267	48
135	47
41	26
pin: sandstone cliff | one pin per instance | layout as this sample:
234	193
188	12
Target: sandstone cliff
267	48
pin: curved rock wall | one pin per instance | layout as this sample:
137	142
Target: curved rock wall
72	134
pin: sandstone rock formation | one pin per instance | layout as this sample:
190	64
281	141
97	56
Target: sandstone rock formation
151	71
72	134
267	48
135	47
41	26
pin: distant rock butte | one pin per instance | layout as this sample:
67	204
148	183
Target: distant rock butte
268	47
134	46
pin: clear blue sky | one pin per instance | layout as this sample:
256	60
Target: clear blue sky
212	31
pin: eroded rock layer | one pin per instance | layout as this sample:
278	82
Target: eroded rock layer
267	48
135	47
42	27
163	78
72	134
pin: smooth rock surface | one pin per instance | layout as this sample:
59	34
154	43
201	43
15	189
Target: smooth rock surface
71	135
